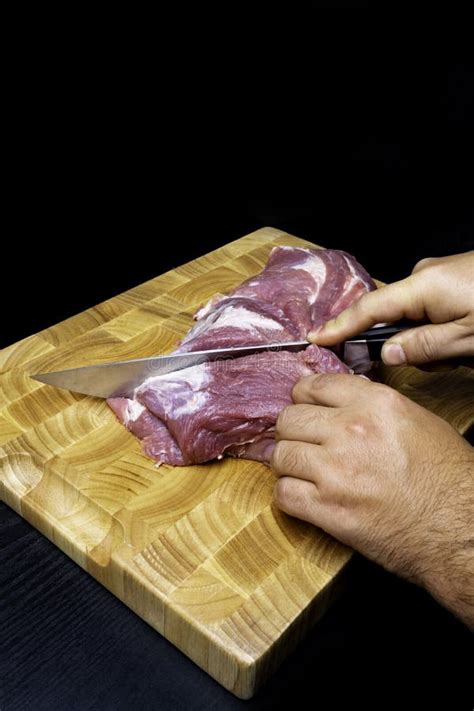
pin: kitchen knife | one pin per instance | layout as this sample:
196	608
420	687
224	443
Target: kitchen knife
119	379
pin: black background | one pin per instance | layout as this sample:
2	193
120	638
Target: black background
84	261
363	155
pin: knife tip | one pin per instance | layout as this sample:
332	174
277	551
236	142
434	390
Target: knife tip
41	377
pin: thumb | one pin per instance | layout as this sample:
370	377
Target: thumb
425	343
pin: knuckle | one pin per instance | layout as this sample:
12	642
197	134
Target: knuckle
302	460
275	458
317	383
284	419
288	457
386	394
280	456
282	492
391	404
426	344
358	427
302	387
328	486
424	263
301	416
391	400
310	386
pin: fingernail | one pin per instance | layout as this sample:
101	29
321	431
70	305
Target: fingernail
393	354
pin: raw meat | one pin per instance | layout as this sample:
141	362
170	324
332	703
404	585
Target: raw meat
299	289
230	407
223	407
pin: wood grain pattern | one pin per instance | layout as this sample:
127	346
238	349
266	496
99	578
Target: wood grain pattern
198	552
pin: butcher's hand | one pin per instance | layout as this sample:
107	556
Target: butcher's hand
383	475
438	290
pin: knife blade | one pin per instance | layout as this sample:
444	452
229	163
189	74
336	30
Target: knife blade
120	378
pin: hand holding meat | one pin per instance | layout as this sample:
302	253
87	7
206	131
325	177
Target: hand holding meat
229	408
439	290
356	458
383	475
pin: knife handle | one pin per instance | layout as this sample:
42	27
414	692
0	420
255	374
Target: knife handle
386	331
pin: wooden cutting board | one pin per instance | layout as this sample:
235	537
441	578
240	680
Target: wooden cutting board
198	552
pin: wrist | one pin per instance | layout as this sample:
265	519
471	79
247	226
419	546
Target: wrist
448	570
454	586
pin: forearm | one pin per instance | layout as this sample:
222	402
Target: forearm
450	576
397	488
455	589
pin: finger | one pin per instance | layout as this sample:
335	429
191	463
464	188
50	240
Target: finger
390	303
304	423
300	498
297	497
429	343
331	389
298	459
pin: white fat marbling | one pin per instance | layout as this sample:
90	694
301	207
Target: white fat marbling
238	317
133	411
195	376
192	380
351	268
316	268
210	306
357	277
195	403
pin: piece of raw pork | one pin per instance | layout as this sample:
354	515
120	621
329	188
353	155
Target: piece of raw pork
230	407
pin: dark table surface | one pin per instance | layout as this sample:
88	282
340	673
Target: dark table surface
67	643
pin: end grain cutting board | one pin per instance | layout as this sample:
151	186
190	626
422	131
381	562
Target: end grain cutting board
198	552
